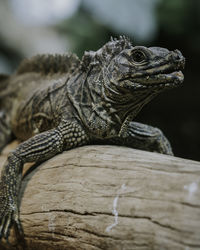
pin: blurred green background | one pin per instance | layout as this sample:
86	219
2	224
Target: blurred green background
29	27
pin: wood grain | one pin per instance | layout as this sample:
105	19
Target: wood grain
109	197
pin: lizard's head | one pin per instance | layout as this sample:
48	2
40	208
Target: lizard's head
133	75
141	68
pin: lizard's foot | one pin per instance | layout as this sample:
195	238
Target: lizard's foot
9	214
143	137
149	138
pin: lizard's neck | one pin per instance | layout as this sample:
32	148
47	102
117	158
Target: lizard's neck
98	116
126	103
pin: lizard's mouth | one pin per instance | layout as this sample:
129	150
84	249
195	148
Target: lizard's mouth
166	78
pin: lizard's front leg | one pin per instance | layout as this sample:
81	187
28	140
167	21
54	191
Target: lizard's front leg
42	146
144	137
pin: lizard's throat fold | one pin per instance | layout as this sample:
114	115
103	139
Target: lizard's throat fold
126	103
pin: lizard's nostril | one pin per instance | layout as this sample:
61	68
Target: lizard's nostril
181	63
178	53
178	58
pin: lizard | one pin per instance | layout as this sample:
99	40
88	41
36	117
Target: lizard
58	102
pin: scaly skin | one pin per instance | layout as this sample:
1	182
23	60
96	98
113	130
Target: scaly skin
55	103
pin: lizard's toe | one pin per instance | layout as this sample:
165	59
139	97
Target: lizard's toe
17	223
2	226
7	221
9	215
5	225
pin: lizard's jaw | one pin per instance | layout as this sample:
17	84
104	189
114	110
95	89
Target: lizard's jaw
159	81
168	79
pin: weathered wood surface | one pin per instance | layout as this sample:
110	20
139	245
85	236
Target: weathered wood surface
107	197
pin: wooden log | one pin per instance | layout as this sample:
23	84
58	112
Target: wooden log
109	197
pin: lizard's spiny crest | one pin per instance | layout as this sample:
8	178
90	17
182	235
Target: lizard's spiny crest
49	64
107	52
115	46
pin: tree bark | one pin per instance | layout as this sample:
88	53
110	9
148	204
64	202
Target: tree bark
109	197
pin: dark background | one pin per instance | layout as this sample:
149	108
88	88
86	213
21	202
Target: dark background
29	27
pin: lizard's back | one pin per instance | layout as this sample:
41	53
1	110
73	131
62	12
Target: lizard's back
33	98
37	112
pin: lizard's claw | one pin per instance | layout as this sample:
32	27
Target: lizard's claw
5	226
9	214
8	218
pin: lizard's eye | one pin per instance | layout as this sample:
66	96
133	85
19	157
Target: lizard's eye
138	56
